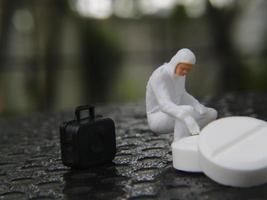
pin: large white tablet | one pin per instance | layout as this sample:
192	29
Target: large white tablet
185	154
233	151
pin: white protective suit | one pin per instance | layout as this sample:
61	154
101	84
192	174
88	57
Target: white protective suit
168	105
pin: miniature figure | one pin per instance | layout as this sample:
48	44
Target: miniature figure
170	108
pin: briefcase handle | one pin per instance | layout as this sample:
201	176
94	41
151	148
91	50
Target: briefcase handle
89	108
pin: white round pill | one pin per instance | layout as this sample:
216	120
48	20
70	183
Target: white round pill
185	154
233	151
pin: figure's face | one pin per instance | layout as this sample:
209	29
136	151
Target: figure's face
183	68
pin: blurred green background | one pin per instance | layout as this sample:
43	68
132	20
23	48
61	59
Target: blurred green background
57	54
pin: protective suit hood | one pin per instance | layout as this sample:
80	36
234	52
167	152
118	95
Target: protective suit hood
182	56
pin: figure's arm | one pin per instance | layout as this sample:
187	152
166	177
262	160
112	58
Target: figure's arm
190	99
194	102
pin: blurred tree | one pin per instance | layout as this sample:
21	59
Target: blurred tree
49	31
8	25
101	57
220	22
7	10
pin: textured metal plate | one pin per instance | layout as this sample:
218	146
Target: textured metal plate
31	168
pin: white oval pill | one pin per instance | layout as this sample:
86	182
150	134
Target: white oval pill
233	151
185	154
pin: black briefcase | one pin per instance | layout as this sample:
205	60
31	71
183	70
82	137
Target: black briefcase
87	141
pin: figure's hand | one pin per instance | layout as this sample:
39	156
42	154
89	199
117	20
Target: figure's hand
201	109
191	125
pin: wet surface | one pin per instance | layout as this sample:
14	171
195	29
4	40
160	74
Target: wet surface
31	168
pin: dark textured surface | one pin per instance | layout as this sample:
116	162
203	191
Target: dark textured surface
30	164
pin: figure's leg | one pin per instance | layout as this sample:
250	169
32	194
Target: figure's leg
180	130
160	122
